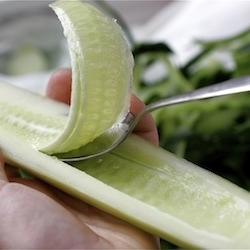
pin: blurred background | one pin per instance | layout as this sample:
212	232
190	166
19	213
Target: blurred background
31	33
178	46
177	23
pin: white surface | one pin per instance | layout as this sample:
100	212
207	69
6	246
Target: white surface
181	22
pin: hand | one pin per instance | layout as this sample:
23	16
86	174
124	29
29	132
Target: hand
60	87
36	215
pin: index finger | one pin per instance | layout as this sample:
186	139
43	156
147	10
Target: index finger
59	86
146	128
59	89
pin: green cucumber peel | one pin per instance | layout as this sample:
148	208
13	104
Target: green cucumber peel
138	182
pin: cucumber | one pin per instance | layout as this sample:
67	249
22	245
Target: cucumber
137	182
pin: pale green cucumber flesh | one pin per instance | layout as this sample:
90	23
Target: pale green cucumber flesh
30	115
102	66
174	195
145	197
182	191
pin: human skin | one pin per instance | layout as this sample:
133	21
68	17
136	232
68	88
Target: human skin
146	128
35	215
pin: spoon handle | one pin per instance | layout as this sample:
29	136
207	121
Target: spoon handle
228	87
232	86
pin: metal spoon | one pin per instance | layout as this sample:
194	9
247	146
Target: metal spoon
116	135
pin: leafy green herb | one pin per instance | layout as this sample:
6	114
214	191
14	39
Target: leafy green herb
213	133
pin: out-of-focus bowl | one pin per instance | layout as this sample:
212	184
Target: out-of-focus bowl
33	25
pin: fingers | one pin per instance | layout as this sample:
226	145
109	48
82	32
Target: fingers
59	86
146	127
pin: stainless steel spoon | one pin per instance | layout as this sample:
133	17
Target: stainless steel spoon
116	135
